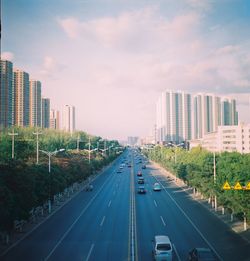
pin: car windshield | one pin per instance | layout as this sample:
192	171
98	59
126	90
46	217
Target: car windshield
164	247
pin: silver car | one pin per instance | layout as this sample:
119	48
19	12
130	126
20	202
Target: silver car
157	187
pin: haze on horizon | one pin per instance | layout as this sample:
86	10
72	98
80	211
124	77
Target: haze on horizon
112	58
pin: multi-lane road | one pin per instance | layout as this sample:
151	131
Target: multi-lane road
113	222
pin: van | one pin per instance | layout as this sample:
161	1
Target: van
162	248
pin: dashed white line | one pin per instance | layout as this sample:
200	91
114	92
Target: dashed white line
163	222
90	251
177	254
155	203
109	203
103	219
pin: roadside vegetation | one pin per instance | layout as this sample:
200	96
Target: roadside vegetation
24	184
196	169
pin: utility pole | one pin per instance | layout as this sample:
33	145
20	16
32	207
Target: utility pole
13	134
37	145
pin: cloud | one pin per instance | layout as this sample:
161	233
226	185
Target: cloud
202	5
7	56
51	67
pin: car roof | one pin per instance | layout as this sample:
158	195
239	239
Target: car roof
162	239
203	249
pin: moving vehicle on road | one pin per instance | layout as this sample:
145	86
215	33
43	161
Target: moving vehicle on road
162	248
201	254
141	190
139	173
157	187
141	180
143	166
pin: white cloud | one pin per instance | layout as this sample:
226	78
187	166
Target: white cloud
51	67
7	56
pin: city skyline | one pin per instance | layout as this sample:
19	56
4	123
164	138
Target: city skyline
118	57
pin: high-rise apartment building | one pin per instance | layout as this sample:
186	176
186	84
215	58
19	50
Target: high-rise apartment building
173	119
211	111
54	119
35	104
69	118
45	112
6	94
21	98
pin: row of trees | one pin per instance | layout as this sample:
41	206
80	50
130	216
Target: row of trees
196	168
25	184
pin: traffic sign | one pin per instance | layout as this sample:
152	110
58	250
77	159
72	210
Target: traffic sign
247	186
226	186
237	186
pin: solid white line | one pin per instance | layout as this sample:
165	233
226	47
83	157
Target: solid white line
155	203
191	222
164	224
177	254
102	221
82	212
109	203
90	251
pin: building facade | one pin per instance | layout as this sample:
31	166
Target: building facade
45	113
6	94
69	118
173	117
35	103
21	98
54	119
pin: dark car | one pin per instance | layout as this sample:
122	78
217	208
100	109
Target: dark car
141	190
89	187
201	254
139	174
143	167
141	180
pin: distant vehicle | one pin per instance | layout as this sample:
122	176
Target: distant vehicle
143	167
129	165
162	248
201	254
119	170
121	167
89	187
141	190
141	180
139	173
157	187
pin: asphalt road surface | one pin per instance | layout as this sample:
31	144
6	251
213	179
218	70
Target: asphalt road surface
113	222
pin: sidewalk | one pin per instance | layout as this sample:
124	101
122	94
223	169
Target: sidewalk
235	224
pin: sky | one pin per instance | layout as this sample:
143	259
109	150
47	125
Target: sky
111	59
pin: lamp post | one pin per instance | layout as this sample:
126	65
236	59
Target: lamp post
215	197
77	142
13	134
90	150
37	145
175	146
49	154
104	149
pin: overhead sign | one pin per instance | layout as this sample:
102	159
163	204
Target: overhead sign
226	186
237	186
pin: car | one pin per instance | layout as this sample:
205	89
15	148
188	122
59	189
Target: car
143	167
129	165
139	173
162	248
119	170
157	187
201	254
141	180
141	190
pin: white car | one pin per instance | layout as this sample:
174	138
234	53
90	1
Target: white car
157	187
162	248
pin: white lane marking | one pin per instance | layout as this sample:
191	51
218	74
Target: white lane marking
103	219
72	225
191	222
177	254
109	203
155	203
90	251
163	222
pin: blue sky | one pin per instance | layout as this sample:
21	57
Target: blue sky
112	58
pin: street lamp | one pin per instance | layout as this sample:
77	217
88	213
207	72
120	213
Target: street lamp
215	197
89	150
13	134
37	145
175	146
49	154
104	149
